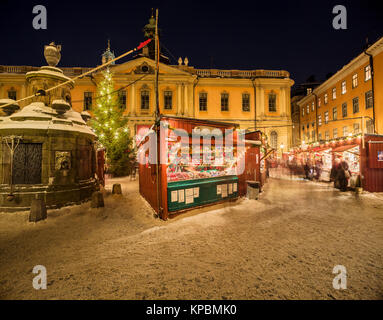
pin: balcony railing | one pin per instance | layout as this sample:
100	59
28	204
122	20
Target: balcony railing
208	73
24	69
242	73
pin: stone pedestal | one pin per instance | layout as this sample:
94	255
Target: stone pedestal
97	200
117	189
38	211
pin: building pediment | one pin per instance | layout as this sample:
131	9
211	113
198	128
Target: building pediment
145	65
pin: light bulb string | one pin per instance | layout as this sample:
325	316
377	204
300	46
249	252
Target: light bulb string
140	46
113	92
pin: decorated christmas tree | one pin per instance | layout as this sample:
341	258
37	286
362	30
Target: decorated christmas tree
111	127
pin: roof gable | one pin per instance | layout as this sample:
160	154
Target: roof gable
135	66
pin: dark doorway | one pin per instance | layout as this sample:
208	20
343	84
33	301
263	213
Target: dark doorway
27	163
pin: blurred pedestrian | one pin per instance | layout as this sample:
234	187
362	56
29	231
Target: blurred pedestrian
344	175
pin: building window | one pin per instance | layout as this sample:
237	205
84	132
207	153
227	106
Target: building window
335	133
355	105
319	120
369	101
168	100
327	135
145	99
325	98
356	128
344	89
122	98
367	73
333	93
224	102
245	102
345	131
313	124
369	126
355	80
88	99
344	110
312	106
319	102
303	128
309	90
308	109
272	102
12	94
203	101
313	135
274	140
308	126
319	136
326	117
334	113
303	111
308	135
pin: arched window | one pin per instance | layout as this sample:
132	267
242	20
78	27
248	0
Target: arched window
274	140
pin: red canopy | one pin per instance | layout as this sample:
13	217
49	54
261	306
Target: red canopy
344	148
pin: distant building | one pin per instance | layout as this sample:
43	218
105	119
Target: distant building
348	103
297	93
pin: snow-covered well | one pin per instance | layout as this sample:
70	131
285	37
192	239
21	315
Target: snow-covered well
53	148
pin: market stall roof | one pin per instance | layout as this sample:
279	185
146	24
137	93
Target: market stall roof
211	122
320	148
344	148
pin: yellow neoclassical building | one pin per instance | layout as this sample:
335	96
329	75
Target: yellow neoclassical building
348	103
254	99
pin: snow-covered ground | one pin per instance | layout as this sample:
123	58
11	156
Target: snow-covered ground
283	246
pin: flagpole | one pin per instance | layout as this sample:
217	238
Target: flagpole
156	51
157	118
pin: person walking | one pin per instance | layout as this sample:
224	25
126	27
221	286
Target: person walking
344	176
306	168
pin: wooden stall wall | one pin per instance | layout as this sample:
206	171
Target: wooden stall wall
148	182
252	164
371	167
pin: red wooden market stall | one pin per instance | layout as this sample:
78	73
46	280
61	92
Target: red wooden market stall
363	154
209	176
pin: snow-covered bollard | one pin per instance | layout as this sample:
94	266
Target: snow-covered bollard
38	210
117	189
97	200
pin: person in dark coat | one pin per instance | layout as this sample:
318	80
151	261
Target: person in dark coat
318	169
343	175
307	169
333	171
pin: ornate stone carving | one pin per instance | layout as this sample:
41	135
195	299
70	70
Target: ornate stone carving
144	68
63	161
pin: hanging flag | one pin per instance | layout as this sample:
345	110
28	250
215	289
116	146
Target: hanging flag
143	44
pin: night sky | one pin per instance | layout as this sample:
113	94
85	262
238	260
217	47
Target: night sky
292	35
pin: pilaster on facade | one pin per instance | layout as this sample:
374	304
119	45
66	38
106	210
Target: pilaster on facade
179	99
132	105
186	101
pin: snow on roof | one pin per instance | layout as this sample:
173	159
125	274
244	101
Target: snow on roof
49	73
38	116
6	101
